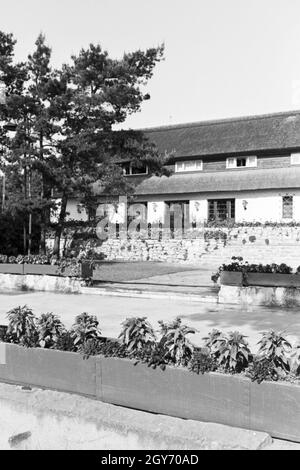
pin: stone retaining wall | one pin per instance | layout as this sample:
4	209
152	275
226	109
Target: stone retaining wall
254	244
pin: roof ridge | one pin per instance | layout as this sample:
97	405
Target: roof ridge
220	121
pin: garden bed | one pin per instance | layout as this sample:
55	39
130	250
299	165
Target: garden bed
215	397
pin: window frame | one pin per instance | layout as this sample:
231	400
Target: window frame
294	157
135	174
284	208
231	162
183	162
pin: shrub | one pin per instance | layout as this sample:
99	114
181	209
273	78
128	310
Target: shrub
276	348
231	352
104	346
22	326
50	329
211	339
137	334
238	265
261	369
174	342
65	342
86	327
202	361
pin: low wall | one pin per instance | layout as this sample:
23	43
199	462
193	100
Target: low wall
287	297
40	283
214	397
173	251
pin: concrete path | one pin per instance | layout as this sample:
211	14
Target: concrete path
111	311
43	419
196	277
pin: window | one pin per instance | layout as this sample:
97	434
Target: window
189	165
239	162
295	159
221	209
130	169
287	207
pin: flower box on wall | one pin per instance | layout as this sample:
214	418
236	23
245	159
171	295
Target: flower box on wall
214	397
41	269
236	278
85	269
272	280
231	278
6	268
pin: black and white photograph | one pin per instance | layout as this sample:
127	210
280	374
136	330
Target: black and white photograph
149	228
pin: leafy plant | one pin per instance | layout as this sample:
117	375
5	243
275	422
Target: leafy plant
3	333
50	329
22	326
175	343
231	352
202	361
238	265
137	334
86	327
262	369
65	342
296	359
211	339
276	348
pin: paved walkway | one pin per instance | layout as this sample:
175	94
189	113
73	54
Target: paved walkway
111	311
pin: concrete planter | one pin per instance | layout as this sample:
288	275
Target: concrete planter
47	368
41	269
213	397
44	270
7	268
231	278
272	280
234	278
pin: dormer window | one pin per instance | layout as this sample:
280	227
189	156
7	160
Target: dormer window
240	162
131	169
188	165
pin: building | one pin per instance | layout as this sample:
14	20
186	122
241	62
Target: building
244	170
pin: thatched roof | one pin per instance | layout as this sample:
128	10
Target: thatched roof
227	180
228	136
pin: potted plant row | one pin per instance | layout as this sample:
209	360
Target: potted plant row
220	382
239	273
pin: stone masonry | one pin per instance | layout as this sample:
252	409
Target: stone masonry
256	244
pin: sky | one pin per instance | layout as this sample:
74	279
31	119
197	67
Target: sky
223	58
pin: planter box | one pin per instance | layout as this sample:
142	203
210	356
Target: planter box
44	269
47	368
272	280
41	269
214	397
7	268
231	278
234	278
221	398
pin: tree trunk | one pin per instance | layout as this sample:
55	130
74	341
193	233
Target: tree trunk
60	225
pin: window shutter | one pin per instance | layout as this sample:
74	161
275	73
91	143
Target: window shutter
231	162
179	166
251	161
295	159
199	164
